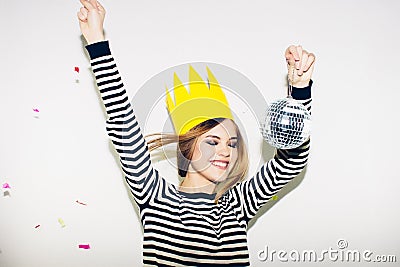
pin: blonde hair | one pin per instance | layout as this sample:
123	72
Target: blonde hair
186	144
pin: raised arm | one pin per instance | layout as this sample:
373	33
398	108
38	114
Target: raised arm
253	193
122	127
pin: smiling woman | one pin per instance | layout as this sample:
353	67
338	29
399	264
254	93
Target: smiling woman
208	154
215	153
202	222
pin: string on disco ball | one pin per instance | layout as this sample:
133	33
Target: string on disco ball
287	122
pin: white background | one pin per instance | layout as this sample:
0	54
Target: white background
349	190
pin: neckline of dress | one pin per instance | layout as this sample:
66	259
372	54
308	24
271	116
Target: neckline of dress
197	195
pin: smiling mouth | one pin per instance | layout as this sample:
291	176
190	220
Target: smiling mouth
223	165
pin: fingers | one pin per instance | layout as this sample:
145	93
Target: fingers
93	3
302	63
291	55
308	62
299	58
292	51
88	4
300	54
82	14
96	5
100	7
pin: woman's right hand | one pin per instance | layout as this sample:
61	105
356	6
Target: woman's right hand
91	18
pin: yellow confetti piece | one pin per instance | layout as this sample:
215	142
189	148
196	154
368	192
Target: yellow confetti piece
61	221
275	197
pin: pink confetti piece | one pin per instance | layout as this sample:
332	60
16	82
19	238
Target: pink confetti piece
76	69
37	226
6	185
35	109
84	246
80	203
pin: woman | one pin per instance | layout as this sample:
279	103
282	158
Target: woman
202	222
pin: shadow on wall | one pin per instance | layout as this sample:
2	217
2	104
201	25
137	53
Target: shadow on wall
268	153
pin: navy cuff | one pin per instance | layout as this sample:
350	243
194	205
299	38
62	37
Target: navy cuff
98	49
302	93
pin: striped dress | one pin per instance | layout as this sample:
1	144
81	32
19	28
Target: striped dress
186	229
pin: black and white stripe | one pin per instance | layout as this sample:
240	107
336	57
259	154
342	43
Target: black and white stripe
182	229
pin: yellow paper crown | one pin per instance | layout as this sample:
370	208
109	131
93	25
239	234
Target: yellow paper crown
202	103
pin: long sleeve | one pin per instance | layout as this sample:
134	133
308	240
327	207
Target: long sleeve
122	126
249	196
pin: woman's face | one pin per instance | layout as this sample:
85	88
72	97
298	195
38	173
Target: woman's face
215	152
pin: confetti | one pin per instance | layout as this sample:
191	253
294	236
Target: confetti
275	197
77	72
6	189
84	246
80	203
61	221
37	226
36	111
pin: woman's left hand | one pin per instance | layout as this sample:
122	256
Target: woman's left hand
300	65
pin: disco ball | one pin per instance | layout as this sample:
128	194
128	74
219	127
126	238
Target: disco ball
287	124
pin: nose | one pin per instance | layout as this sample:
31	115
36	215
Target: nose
224	151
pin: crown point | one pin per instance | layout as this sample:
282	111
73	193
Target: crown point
177	81
193	75
180	92
197	86
213	83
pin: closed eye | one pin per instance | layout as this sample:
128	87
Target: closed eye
233	145
212	143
